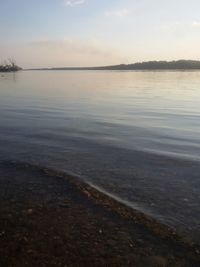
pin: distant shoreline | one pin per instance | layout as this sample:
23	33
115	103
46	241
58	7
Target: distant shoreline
184	65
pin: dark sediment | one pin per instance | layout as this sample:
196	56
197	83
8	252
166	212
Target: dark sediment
50	219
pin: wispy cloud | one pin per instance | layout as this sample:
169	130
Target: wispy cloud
196	23
117	13
72	3
171	26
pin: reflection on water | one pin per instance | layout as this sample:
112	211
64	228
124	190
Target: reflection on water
136	134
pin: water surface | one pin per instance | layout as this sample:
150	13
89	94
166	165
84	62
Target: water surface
134	134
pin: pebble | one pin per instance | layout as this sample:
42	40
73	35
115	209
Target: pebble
197	251
29	211
64	205
2	233
140	241
157	261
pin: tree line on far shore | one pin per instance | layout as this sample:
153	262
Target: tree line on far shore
147	65
9	66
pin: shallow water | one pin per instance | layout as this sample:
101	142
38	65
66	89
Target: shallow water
134	134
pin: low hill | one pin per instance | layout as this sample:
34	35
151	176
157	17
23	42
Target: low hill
149	65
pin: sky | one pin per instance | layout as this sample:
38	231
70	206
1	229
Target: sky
53	33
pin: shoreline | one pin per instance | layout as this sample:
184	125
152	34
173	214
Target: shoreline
32	190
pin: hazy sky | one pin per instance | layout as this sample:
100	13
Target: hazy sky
39	33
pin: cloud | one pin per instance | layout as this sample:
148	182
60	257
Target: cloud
172	26
72	3
196	24
117	13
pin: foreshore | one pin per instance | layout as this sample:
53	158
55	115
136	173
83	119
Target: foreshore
49	218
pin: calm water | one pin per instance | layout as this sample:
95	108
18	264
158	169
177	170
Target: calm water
133	134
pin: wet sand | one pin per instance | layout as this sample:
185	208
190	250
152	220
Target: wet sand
51	219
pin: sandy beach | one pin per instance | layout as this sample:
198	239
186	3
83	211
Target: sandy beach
50	219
